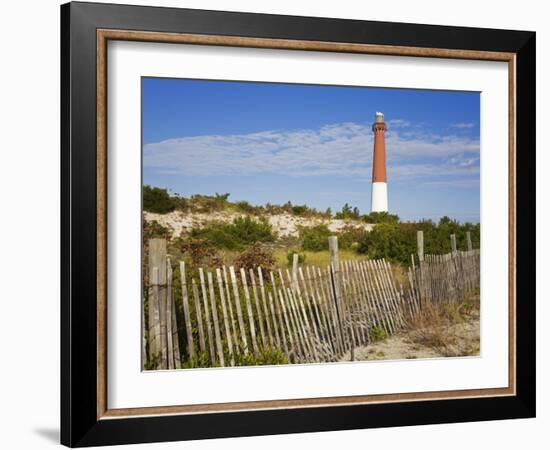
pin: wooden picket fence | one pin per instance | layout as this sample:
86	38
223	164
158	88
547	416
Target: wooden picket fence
309	313
445	278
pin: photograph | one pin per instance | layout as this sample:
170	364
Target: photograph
307	224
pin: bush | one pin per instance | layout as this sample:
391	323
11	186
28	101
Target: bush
267	357
201	253
388	241
290	257
207	203
200	360
315	238
381	217
377	334
350	236
247	208
157	200
249	231
218	235
255	256
397	241
243	231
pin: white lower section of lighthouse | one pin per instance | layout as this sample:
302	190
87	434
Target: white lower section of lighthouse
379	199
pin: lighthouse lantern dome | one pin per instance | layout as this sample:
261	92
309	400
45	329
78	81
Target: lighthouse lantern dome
379	117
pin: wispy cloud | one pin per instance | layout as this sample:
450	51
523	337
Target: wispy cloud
398	123
460	183
463	125
338	149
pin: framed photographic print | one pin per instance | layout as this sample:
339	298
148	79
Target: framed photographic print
276	224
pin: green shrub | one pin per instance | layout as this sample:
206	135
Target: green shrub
348	212
157	200
315	238
381	217
397	241
217	235
243	231
249	231
207	203
200	360
267	357
377	334
300	210
290	257
388	241
350	236
246	207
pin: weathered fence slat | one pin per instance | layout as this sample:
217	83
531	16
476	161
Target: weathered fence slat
175	337
169	334
319	302
251	325
196	300
230	308
154	315
278	310
228	337
186	313
294	322
257	305
207	318
214	307
239	309
290	327
266	311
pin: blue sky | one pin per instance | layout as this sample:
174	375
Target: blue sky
267	142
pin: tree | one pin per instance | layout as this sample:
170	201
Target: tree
348	212
157	200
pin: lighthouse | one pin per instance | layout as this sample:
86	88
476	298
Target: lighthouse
379	199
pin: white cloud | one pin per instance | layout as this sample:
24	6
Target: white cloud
460	183
336	149
398	123
463	125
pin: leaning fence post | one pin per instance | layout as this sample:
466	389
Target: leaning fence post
295	258
157	304
143	335
420	245
469	240
420	251
336	284
187	313
335	268
154	318
453	244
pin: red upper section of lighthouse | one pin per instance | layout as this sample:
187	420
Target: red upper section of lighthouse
379	156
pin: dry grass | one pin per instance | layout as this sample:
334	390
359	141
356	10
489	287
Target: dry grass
320	259
451	328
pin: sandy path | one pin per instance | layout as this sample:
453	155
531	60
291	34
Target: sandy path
462	340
